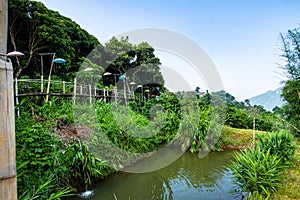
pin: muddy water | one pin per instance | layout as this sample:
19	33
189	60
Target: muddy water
189	177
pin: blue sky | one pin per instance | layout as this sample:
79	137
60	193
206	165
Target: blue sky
241	37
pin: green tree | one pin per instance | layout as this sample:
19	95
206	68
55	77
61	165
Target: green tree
290	93
138	62
291	56
34	29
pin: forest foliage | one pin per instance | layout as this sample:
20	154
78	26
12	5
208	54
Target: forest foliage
290	48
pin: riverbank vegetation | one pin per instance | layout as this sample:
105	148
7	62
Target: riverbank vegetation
53	139
290	186
259	170
57	141
270	170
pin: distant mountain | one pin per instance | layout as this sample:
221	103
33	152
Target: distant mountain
268	100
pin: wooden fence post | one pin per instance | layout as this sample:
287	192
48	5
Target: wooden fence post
90	93
64	87
42	83
74	92
104	95
17	98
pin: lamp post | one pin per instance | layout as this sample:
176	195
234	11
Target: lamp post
16	54
132	84
42	68
123	78
58	61
115	80
108	74
142	92
49	78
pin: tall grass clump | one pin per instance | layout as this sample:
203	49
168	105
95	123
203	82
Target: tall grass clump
259	171
281	143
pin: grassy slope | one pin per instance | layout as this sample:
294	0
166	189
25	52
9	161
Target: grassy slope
234	138
290	189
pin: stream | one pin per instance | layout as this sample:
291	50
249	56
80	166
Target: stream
189	177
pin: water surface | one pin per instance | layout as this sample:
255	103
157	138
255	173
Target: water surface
189	177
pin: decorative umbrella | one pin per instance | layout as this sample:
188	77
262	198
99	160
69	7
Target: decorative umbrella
122	77
15	53
107	73
59	61
88	69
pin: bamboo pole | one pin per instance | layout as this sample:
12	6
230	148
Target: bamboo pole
8	183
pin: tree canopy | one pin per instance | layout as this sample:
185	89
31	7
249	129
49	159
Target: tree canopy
34	29
291	91
138	62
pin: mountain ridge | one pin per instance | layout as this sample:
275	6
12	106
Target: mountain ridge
269	99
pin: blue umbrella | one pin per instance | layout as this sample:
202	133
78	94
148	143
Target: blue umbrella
122	77
59	61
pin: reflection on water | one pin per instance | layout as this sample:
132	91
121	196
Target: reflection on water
187	178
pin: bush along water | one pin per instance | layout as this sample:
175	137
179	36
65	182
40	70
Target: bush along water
259	171
49	167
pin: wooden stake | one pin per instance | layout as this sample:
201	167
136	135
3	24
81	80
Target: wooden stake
64	87
74	92
90	93
17	98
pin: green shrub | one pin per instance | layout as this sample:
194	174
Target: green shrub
77	167
257	171
280	143
36	150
